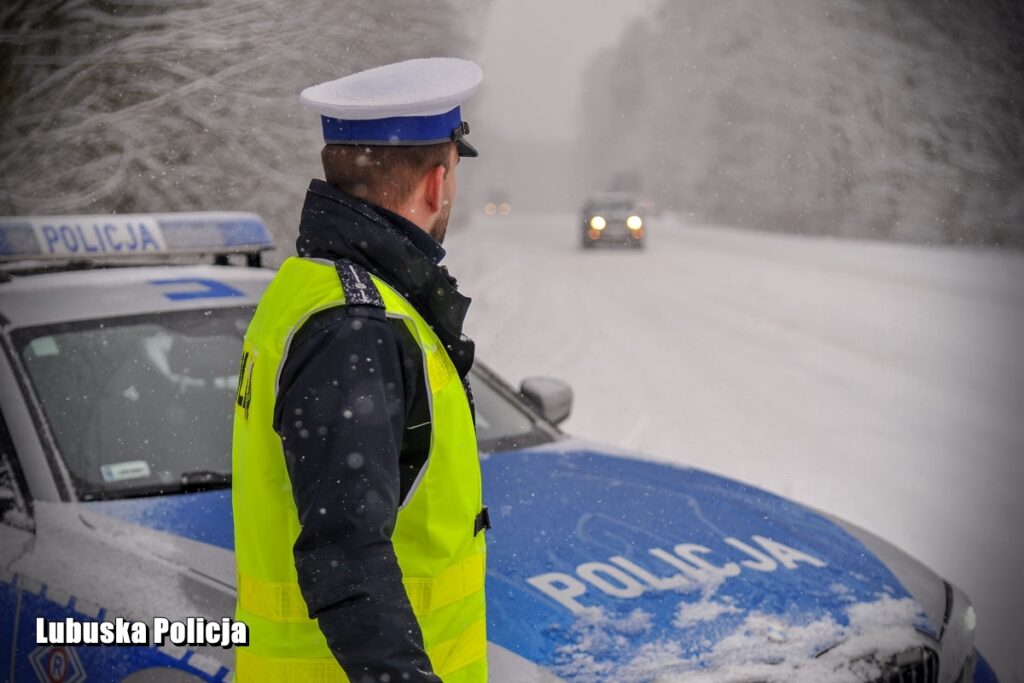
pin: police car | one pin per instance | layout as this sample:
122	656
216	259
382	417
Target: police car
613	218
117	377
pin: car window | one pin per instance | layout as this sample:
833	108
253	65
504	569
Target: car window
502	423
14	508
496	417
612	206
136	403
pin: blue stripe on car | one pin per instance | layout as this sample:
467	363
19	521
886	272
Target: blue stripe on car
203	516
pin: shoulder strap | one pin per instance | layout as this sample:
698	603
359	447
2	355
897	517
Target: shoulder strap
357	285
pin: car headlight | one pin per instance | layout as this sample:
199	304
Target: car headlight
948	608
598	223
956	643
634	223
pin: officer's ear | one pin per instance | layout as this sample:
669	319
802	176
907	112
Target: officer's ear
433	190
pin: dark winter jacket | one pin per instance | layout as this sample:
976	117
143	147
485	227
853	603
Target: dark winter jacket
353	369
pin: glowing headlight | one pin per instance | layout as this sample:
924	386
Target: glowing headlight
970	618
597	223
634	223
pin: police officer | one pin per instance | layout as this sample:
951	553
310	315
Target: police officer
356	493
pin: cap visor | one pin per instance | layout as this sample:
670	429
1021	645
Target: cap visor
465	149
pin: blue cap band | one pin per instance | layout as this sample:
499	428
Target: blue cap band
396	130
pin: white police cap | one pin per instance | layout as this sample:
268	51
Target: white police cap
415	102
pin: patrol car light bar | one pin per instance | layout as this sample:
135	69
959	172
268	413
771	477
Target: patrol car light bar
113	236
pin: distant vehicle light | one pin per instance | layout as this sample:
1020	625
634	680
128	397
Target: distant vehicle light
598	223
490	208
634	223
504	208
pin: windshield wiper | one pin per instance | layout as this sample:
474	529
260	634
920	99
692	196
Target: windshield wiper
204	480
187	482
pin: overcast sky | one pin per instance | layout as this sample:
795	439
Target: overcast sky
533	53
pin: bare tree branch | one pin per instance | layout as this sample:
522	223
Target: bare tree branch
896	120
160	105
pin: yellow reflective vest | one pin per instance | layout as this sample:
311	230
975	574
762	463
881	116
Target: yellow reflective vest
440	554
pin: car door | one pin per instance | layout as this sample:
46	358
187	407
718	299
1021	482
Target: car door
16	535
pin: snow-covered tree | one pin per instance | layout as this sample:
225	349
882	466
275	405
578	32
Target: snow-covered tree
163	105
899	119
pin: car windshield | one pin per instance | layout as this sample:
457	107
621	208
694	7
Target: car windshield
612	205
142	405
139	404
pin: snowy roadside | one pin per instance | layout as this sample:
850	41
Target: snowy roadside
876	381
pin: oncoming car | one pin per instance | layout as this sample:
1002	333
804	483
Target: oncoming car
497	204
613	218
119	376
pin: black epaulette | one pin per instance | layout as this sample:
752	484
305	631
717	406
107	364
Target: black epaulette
361	294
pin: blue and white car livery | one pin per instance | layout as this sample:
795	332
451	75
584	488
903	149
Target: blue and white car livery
118	372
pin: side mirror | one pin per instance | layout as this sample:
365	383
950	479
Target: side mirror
551	397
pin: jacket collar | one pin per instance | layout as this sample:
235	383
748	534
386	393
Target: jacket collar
336	225
430	247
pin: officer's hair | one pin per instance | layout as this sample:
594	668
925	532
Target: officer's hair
385	175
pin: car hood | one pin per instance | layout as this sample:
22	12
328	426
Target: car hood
606	567
204	517
612	568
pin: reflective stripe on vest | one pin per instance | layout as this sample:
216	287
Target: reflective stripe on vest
283	601
441	559
447	657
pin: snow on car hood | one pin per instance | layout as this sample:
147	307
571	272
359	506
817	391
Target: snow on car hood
607	568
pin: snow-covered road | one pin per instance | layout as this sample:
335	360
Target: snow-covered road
881	382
